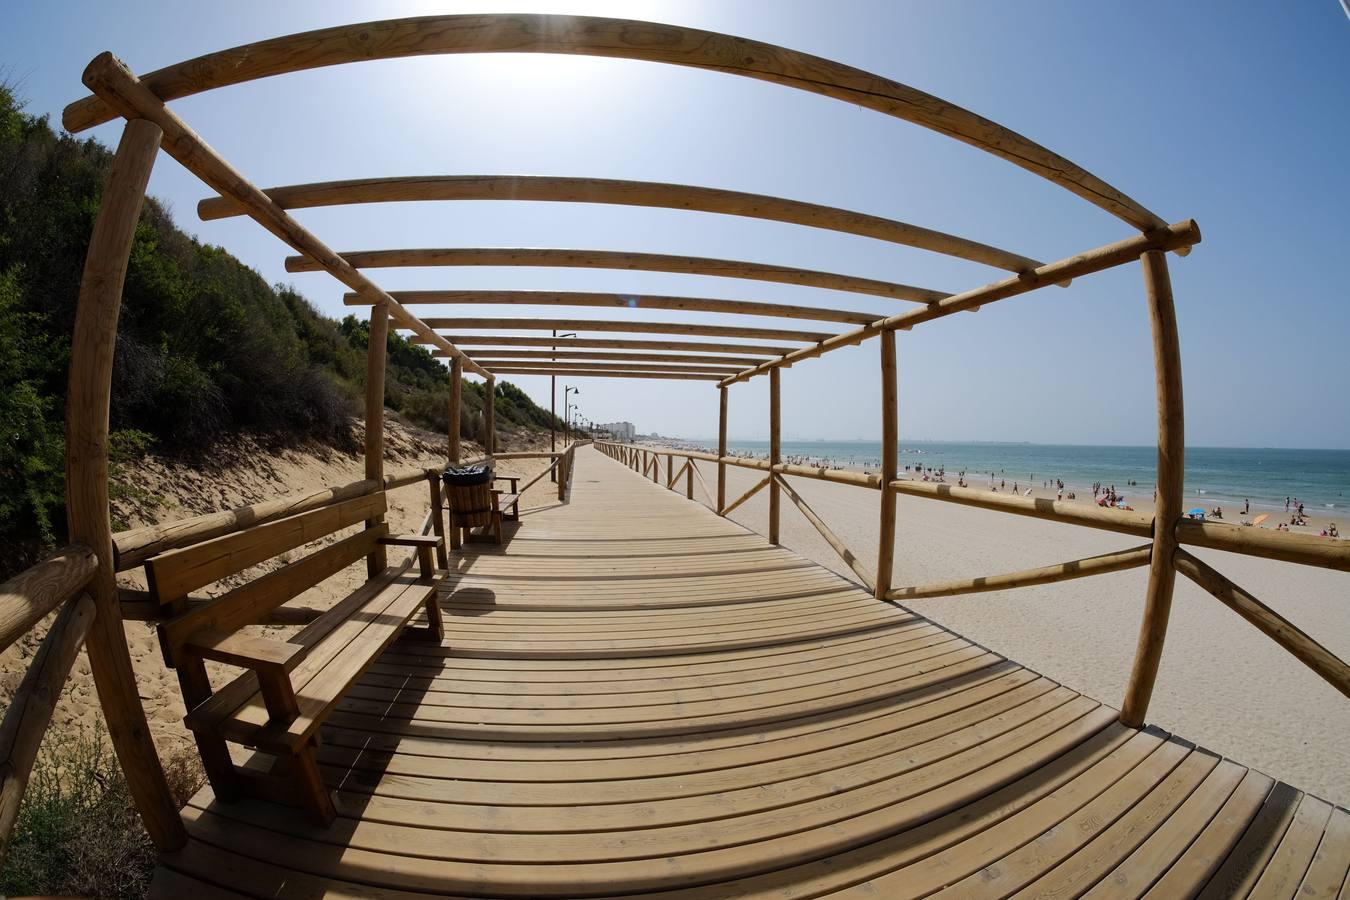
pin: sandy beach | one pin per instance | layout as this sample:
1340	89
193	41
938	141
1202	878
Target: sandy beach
1222	684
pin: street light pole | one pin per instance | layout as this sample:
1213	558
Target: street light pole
553	405
567	396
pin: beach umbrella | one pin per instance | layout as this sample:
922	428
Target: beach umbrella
1261	518
1196	512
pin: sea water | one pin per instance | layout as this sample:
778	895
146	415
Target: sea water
1218	476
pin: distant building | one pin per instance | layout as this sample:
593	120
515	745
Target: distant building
622	431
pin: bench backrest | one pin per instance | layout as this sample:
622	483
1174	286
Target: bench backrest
174	574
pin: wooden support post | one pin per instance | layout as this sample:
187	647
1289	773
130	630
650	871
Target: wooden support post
561	471
1171	468
87	404
890	450
456	405
670	470
775	450
438	519
30	709
722	451
689	479
375	354
490	417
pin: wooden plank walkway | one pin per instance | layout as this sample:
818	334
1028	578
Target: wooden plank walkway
636	696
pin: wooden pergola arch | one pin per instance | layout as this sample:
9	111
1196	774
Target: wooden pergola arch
151	126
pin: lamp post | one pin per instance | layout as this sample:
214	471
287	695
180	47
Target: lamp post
567	392
553	397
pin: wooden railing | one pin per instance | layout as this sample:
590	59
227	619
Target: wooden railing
1296	548
56	583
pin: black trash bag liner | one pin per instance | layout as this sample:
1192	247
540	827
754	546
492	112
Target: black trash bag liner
466	476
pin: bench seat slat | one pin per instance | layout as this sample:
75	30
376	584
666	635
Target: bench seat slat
250	602
337	658
234	694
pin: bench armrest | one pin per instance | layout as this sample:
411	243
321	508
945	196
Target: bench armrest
245	651
269	659
514	479
411	540
425	544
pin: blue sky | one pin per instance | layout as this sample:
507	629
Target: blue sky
1235	114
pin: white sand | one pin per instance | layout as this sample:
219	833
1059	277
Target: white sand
1222	684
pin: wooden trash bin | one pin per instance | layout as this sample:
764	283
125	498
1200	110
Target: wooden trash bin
471	502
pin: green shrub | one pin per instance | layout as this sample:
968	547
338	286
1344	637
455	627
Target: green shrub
77	832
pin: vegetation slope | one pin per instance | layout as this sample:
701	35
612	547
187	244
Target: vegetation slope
205	347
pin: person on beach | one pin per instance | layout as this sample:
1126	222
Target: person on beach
1246	507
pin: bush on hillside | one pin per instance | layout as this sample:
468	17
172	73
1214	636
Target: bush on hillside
205	347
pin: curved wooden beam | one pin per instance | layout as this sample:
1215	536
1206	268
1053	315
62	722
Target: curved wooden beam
494	365
495	340
566	373
622	301
630	326
557	189
621	39
486	357
89	397
623	260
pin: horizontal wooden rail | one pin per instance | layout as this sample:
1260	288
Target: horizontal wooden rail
531	454
622	260
515	340
1172	237
582	299
1120	521
630	326
838	476
133	547
552	466
1334	670
41	588
30	710
555	189
1079	568
1304	549
830	537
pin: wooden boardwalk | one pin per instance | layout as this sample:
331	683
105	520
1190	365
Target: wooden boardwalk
637	696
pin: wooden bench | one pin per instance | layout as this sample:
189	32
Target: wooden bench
509	501
290	687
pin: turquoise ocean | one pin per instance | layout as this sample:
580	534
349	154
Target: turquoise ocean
1222	476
